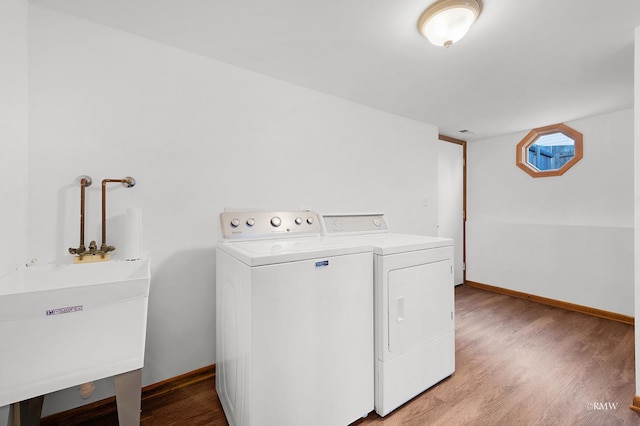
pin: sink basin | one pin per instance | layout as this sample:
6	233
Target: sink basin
63	325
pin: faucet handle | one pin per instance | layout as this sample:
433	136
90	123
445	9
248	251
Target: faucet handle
79	251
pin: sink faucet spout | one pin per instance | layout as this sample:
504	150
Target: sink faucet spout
128	182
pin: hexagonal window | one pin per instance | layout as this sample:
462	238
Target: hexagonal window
549	151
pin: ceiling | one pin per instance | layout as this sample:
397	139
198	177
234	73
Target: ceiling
523	64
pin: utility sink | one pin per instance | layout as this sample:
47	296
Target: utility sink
64	325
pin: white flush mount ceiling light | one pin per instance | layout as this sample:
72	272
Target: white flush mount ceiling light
447	21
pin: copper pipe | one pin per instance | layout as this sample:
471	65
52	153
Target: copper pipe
127	182
84	182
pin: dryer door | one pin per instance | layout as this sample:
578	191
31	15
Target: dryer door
420	305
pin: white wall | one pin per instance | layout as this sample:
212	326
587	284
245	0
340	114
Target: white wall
637	199
198	136
13	134
568	238
13	140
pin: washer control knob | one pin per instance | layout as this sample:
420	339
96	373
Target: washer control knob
251	221
310	220
276	221
377	222
298	220
235	222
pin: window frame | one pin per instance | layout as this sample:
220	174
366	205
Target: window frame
523	148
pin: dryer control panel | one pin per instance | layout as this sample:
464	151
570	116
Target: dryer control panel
253	225
355	223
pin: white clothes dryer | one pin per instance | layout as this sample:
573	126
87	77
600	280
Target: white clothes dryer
414	306
294	322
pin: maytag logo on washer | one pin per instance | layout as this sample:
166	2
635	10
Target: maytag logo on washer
65	310
322	263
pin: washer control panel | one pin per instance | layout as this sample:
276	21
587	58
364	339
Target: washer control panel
249	225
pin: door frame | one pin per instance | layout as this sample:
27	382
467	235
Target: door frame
449	139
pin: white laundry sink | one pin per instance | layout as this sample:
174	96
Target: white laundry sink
63	325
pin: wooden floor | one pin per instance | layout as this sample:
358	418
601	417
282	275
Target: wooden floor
517	363
523	363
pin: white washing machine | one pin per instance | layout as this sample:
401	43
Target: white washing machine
414	306
294	322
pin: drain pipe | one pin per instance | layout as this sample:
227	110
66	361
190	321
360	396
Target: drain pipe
85	181
128	182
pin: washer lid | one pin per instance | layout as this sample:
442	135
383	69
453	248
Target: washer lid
269	252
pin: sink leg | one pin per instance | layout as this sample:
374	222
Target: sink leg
27	412
128	397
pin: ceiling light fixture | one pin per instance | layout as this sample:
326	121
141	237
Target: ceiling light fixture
447	21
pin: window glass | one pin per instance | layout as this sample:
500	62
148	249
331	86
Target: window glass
551	152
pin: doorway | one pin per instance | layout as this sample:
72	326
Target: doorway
452	198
